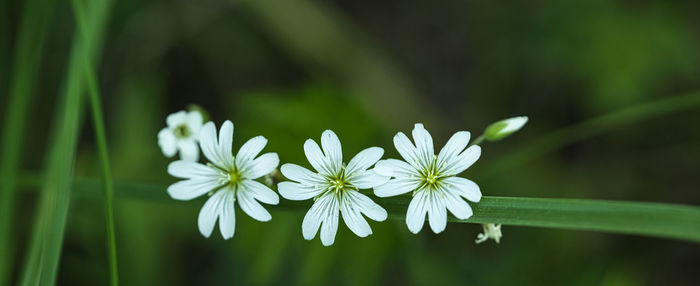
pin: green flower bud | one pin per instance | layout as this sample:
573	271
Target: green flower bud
504	128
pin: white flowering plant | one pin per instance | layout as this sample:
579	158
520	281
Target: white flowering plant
425	184
338	190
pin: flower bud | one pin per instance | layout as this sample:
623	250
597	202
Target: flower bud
504	128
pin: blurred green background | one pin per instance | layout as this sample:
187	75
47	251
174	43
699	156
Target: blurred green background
290	69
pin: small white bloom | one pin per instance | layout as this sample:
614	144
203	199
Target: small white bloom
334	188
230	179
504	128
431	179
491	231
181	134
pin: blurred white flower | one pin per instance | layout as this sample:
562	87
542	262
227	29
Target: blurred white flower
504	128
229	178
491	231
181	134
334	188
431	179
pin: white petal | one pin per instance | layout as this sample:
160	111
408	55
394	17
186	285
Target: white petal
354	220
250	150
261	192
462	162
226	144
194	121
417	209
332	150
457	206
424	144
395	168
314	217
330	223
463	187
192	188
316	158
368	207
188	149
367	179
298	192
454	146
250	206
302	175
407	150
397	186
209	144
167	142
227	216
437	214
175	119
262	166
365	159
189	170
210	211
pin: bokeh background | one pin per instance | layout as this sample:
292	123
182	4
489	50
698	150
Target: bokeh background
290	69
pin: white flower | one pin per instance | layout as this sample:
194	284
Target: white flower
334	188
181	134
230	179
504	128
491	231
431	179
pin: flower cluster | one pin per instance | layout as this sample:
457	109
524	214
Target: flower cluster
336	187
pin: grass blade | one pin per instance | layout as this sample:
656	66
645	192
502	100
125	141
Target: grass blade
47	239
99	126
27	57
641	218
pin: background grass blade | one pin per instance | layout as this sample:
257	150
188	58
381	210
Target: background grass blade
100	134
47	238
27	57
642	218
592	127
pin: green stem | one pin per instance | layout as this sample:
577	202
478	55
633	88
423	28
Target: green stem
99	128
478	139
589	128
642	218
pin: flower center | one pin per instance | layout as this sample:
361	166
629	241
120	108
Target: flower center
234	177
182	131
339	184
431	177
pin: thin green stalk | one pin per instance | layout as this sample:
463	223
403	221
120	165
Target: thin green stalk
107	183
592	127
26	59
642	218
99	126
478	140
